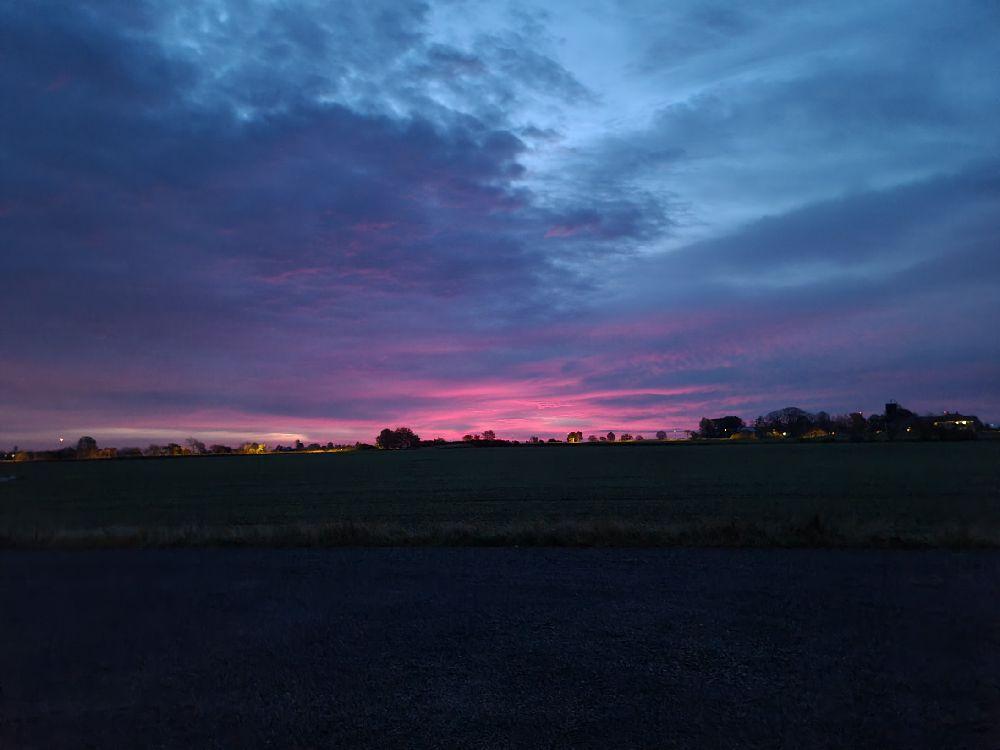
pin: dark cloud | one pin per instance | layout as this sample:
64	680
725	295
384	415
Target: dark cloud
865	235
333	213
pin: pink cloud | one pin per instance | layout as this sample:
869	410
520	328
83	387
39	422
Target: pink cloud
293	273
570	230
59	82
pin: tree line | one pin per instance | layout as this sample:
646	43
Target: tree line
896	423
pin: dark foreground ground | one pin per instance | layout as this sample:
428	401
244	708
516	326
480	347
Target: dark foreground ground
500	648
649	494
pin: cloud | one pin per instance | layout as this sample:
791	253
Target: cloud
327	216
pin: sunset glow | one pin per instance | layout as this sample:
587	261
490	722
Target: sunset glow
281	222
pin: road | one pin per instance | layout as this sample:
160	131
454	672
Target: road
493	648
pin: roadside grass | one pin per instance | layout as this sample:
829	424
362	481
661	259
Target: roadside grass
811	533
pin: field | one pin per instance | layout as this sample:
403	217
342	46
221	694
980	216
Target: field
830	495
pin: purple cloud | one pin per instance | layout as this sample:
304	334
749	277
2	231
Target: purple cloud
314	220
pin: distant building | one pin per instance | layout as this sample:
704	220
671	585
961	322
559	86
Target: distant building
953	424
816	433
903	424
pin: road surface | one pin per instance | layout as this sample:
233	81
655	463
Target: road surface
496	648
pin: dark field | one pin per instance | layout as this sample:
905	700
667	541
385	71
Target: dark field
500	648
901	494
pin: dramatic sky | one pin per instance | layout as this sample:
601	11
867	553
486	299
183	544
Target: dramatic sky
228	218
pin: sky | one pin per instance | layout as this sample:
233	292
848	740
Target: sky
232	219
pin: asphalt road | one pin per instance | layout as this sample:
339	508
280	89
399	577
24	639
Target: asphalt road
500	648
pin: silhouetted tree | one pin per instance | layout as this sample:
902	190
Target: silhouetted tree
195	446
857	425
661	435
611	437
399	439
719	428
790	422
489	435
407	437
876	424
86	447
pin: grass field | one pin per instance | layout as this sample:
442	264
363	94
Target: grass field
897	494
